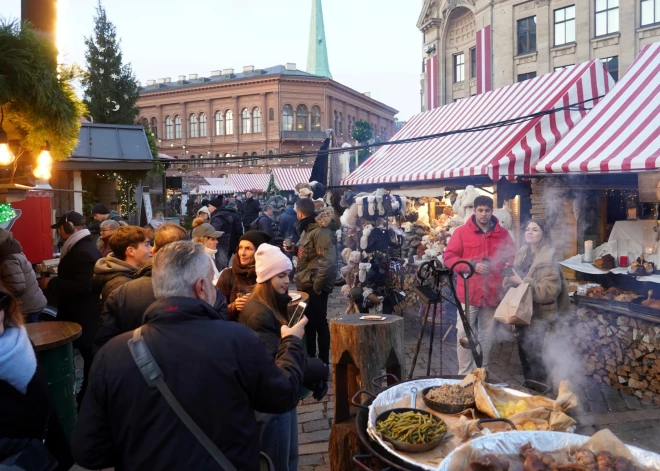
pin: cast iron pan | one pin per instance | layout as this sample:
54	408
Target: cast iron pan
411	447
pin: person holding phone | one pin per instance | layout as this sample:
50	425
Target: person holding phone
266	312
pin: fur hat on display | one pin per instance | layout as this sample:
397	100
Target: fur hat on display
363	268
360	206
366	232
346	254
349	218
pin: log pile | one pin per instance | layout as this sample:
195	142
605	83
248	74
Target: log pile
620	351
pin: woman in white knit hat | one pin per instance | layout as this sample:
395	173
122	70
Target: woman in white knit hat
265	313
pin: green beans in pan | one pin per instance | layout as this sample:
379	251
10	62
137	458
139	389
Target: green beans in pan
412	427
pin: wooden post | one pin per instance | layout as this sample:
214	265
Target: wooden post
361	350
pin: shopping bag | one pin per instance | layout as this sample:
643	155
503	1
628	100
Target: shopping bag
516	307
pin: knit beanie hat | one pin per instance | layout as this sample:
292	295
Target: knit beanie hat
270	262
100	208
256	237
216	202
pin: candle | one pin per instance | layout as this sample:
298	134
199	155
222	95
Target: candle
588	250
648	250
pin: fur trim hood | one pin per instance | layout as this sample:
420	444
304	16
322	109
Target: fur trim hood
325	216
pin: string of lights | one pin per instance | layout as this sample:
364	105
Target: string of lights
296	155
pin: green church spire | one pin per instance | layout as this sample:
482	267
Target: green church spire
317	56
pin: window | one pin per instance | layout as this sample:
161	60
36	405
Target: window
459	67
202	125
192	126
607	17
316	118
244	161
256	120
527	35
523	77
255	159
245	121
336	122
219	124
168	128
192	161
145	123
650	12
562	67
340	126
177	127
229	122
565	25
302	118
473	62
154	127
287	118
612	66
271	114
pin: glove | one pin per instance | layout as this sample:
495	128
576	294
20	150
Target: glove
320	389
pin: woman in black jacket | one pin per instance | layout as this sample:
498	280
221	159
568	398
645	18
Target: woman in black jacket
265	313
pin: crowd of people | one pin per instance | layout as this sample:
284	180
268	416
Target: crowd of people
212	305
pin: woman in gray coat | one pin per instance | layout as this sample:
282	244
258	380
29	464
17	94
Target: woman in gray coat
19	278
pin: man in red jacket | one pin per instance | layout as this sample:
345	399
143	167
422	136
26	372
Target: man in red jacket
488	247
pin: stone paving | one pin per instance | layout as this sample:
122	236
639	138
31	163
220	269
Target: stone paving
601	406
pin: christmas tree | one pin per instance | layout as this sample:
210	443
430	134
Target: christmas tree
109	85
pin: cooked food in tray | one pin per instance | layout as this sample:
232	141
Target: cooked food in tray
652	303
641	267
412	427
606	262
509	408
613	294
453	394
530	459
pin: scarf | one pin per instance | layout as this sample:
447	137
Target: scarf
17	360
242	270
303	223
73	240
210	252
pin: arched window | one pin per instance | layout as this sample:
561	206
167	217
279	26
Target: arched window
255	159
154	127
177	127
202	125
193	129
145	123
245	121
229	122
271	114
218	162
193	164
340	125
219	124
287	118
270	152
336	126
168	128
256	120
302	118
316	118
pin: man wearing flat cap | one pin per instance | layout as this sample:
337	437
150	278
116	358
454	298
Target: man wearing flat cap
73	285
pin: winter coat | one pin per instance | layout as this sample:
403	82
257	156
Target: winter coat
124	309
262	320
109	274
471	244
236	231
233	280
547	281
73	288
126	424
251	210
223	220
114	215
317	255
18	276
287	221
265	223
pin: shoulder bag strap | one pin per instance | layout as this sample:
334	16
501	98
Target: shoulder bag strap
154	377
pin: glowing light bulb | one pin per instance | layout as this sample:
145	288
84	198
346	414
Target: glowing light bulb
44	165
6	155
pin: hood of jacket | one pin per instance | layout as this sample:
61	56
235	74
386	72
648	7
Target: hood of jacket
113	266
325	217
179	308
114	214
9	245
145	269
290	211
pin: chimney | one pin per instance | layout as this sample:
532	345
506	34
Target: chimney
161	80
227	72
168	79
216	73
290	66
151	83
192	77
367	94
182	78
248	69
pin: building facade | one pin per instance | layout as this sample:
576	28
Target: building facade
254	114
501	42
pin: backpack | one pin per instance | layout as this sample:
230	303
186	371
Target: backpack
254	225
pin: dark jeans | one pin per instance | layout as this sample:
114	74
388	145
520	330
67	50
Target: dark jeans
530	348
278	437
317	314
87	354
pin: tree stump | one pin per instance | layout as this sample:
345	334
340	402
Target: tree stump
361	350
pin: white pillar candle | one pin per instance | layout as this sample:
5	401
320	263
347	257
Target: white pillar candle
588	250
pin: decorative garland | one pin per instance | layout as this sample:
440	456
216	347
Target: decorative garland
126	183
7	213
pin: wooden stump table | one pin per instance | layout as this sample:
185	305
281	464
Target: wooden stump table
52	342
361	351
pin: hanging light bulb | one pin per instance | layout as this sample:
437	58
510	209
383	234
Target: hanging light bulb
6	155
44	163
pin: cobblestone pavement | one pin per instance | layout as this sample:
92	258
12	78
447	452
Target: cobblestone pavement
601	406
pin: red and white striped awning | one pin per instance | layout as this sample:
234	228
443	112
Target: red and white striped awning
507	150
217	186
286	179
249	181
623	132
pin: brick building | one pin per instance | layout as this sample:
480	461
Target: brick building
524	39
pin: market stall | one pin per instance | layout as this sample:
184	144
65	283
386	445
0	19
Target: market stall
257	182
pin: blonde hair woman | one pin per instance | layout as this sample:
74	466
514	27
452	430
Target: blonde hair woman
205	234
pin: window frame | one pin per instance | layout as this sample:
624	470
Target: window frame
202	125
315	118
529	74
456	66
153	127
606	13
219	124
178	131
531	48
169	128
229	122
563	22
473	62
302	117
562	67
193	126
656	13
256	119
287	119
246	121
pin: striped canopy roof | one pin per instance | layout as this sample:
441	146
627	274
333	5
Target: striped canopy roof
286	179
249	181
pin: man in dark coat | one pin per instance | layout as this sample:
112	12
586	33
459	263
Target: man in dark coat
237	226
288	219
126	424
222	220
265	221
73	285
251	209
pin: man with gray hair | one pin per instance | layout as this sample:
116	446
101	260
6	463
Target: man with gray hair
219	372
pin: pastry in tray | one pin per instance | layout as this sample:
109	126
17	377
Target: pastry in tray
651	303
606	262
641	267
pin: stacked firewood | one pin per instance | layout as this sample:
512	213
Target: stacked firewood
621	351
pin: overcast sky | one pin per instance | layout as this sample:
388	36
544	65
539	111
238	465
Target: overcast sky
373	45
